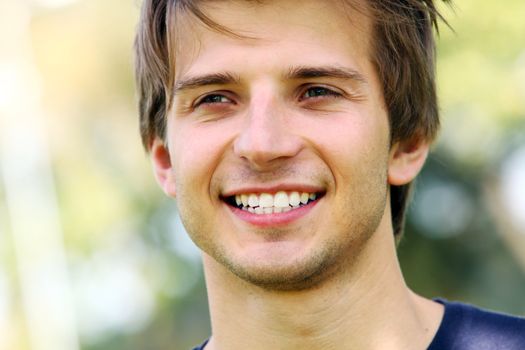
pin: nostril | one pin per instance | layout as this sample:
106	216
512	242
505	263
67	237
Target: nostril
264	140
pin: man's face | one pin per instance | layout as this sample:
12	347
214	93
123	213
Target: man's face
294	112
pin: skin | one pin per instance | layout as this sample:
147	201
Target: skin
328	278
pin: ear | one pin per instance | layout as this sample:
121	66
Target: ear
406	160
162	168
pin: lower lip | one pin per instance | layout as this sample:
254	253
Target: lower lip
275	219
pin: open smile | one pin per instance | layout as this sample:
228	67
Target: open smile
272	203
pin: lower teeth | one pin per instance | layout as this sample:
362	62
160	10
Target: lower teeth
269	210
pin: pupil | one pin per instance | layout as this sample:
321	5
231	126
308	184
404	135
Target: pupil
318	91
213	99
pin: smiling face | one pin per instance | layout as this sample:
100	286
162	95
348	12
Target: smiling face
278	148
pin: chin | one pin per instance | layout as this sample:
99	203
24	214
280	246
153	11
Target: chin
284	270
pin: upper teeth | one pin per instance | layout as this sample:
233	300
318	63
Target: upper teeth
280	199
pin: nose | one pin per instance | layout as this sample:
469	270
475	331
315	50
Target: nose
267	136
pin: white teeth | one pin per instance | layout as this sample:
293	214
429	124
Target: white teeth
280	200
253	201
267	203
295	199
304	197
266	200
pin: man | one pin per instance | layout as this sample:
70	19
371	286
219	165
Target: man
289	133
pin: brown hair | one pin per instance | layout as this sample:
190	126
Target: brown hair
403	53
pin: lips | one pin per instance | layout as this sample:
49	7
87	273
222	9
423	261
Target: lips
272	203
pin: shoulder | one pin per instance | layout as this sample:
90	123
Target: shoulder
201	347
466	327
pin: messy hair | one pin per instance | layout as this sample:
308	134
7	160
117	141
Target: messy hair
402	52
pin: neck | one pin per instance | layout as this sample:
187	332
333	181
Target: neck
367	306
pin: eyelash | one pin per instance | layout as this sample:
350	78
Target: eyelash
206	100
326	92
211	99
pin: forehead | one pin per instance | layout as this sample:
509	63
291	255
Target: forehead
289	31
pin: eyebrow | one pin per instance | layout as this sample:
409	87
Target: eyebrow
300	72
223	78
305	72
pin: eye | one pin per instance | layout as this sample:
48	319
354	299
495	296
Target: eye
212	99
319	91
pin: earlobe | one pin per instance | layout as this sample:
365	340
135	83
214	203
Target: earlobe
162	167
406	160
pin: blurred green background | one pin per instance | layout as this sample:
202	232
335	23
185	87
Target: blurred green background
92	254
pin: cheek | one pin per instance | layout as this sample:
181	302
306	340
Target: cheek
352	140
196	151
356	149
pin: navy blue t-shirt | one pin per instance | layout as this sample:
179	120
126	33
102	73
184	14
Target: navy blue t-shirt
465	327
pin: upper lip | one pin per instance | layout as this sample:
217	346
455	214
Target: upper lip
289	187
